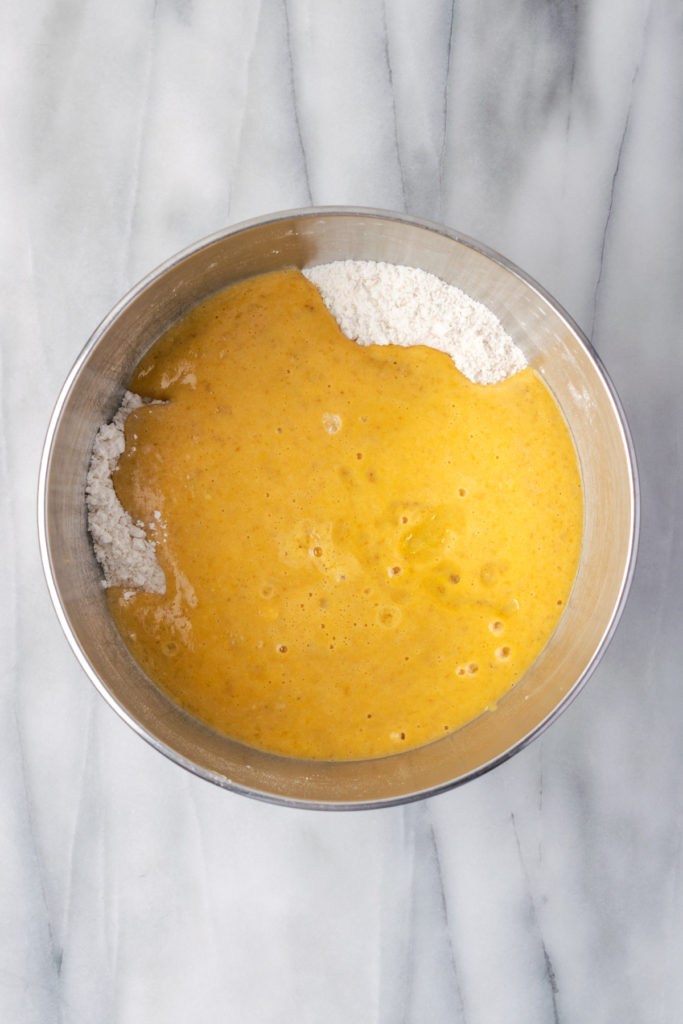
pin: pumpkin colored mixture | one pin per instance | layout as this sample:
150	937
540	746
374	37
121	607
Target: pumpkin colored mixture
363	550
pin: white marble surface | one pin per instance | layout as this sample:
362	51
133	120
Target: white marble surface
550	890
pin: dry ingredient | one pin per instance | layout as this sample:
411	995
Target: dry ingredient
121	546
387	304
374	304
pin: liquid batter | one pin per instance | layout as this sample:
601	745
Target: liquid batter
363	550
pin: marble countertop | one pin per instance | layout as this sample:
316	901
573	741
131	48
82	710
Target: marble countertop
550	890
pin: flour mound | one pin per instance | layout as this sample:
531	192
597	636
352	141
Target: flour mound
385	304
127	557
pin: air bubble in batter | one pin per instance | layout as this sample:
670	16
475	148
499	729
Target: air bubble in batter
331	422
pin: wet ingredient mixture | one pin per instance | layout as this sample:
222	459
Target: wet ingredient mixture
363	550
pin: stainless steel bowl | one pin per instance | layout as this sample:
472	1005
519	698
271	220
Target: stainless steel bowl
552	344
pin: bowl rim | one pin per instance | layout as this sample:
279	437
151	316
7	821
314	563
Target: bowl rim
43	505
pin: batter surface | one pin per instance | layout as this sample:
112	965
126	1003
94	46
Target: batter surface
363	550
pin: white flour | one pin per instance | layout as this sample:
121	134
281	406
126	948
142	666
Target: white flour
384	304
375	304
121	546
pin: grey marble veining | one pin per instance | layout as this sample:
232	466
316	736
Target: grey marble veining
550	890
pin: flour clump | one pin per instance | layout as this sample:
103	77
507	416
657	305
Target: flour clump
387	304
127	557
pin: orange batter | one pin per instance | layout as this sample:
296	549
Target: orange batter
363	550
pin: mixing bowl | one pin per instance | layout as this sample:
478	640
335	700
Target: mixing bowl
551	343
